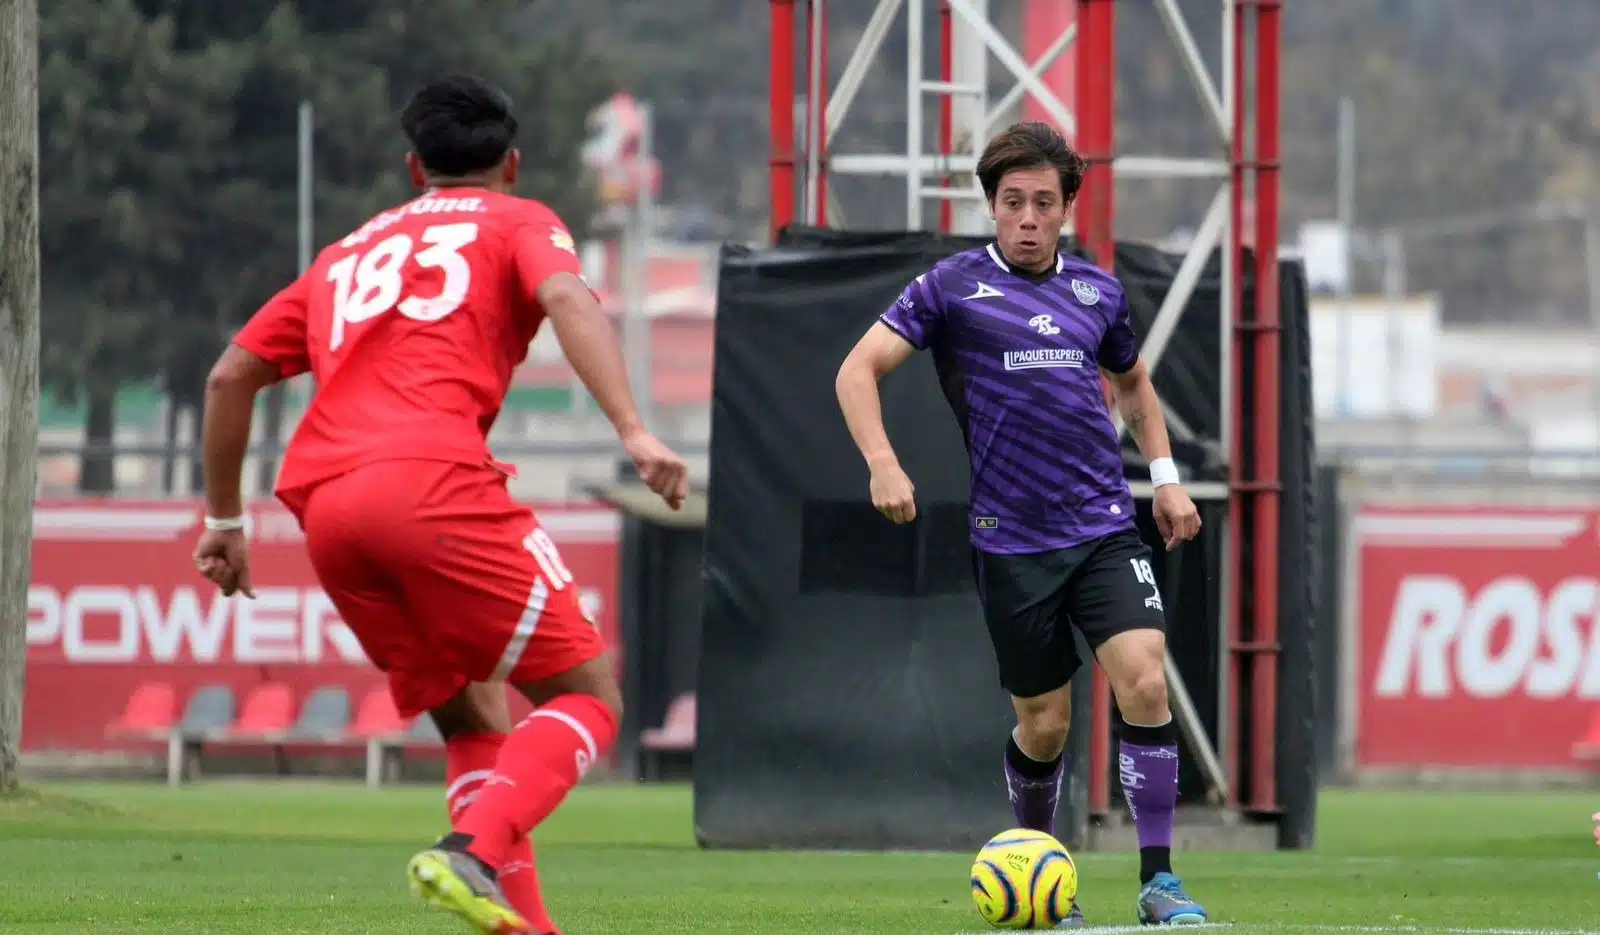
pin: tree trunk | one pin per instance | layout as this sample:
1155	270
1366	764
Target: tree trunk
97	468
19	355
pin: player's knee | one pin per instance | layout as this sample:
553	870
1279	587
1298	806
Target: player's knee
595	678
1143	697
610	695
1043	732
602	686
480	708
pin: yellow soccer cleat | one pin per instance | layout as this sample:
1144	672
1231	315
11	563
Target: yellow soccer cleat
457	881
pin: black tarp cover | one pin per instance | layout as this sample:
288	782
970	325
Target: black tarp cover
848	697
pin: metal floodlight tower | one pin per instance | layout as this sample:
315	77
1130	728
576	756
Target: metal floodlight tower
1246	174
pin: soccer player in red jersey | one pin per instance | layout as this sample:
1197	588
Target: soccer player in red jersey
412	326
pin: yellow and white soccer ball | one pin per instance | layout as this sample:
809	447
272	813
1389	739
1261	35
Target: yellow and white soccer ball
1024	879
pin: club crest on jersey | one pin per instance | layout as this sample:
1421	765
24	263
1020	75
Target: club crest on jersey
1043	324
1086	292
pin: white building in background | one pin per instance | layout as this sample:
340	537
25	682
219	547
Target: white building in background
1375	358
1387	372
1547	379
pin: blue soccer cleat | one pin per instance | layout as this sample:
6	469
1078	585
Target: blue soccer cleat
1163	902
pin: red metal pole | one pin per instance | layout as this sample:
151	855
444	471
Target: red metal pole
1096	106
817	31
1097	125
1268	394
947	114
781	149
1233	614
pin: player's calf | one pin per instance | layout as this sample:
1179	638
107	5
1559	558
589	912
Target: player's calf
469	763
1036	767
544	757
1034	763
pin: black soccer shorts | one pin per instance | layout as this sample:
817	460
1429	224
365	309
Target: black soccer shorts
1032	603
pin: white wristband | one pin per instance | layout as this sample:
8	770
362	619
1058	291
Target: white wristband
1163	471
224	525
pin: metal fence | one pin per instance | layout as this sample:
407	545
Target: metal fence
557	457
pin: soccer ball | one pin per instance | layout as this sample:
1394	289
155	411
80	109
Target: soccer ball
1024	879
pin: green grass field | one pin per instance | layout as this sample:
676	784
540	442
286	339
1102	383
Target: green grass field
321	858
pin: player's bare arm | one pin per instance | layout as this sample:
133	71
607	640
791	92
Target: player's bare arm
231	392
591	347
876	355
1175	514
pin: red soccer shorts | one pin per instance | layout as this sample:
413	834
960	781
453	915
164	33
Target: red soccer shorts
445	579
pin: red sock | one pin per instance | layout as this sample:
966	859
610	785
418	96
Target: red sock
470	762
541	761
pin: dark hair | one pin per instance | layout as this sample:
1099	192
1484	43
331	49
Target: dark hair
459	126
1030	145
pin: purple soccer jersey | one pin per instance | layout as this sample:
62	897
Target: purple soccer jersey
1019	356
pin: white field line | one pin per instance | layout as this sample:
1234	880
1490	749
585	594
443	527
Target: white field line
1434	930
1313	865
1332	929
1257	857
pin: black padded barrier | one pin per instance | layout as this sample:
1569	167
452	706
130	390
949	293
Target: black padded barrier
847	690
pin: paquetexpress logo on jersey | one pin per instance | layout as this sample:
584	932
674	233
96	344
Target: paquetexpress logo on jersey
1046	358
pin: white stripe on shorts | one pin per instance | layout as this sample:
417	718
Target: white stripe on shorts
518	645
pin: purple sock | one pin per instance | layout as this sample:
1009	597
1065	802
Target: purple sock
1150	783
1033	797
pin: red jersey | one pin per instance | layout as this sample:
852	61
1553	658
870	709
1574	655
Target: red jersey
412	327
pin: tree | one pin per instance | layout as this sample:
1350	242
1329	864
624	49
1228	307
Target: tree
169	162
134	149
553	79
19	356
356	61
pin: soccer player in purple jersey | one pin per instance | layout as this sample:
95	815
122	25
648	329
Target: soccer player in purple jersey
1020	336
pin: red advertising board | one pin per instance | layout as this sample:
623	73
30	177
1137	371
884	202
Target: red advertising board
1478	641
115	602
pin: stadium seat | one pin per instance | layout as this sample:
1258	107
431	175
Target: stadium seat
675	736
150	714
387	735
324	717
208	711
266	716
376	717
677	729
1588	746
